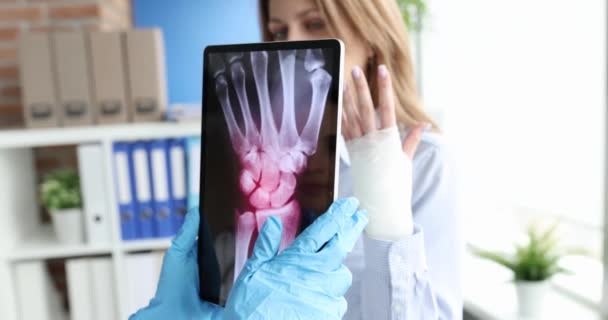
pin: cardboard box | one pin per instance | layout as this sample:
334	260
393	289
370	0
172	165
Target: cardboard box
71	57
109	77
147	77
37	80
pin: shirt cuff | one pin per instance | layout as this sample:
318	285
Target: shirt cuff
407	254
391	272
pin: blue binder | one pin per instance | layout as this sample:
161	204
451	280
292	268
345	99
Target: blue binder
178	184
142	184
193	152
124	190
161	179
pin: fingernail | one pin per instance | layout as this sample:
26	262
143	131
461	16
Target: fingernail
382	71
356	72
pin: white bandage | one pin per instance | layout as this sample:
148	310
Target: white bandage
382	181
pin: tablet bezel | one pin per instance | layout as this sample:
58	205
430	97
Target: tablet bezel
335	44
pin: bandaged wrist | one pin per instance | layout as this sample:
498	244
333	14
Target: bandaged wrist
382	181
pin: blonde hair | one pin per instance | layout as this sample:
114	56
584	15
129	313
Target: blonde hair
379	24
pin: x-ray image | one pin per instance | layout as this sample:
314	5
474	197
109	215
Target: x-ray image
269	147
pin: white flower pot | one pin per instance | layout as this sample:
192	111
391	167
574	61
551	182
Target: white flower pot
530	297
67	224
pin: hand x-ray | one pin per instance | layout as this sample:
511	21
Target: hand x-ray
270	121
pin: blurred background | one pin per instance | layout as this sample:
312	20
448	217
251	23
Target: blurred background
90	90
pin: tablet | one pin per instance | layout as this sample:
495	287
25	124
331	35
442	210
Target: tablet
271	114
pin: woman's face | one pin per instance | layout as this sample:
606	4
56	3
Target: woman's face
301	20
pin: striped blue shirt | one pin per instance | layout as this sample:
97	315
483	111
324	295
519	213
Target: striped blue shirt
417	277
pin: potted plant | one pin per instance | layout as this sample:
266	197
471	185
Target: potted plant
533	264
413	12
60	192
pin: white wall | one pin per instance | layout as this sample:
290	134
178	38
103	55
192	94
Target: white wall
520	85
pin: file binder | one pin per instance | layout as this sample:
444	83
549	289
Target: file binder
177	163
80	291
36	297
70	53
142	274
143	189
37	77
124	190
102	283
147	76
93	187
160	174
193	151
109	77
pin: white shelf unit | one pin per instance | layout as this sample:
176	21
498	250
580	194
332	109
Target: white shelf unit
23	238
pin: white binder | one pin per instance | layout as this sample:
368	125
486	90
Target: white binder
143	272
102	278
79	289
93	185
36	296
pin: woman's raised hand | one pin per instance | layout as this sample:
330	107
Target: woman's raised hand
381	164
359	114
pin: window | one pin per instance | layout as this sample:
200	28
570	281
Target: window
519	87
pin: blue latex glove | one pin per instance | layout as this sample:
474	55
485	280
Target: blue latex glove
177	295
305	281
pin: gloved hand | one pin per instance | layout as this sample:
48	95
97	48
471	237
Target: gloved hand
381	166
305	281
177	294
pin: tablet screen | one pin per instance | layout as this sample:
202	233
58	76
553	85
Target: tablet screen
270	118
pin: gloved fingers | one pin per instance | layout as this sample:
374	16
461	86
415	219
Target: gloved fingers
186	238
194	251
301	277
325	226
333	284
352	231
210	311
332	255
342	305
386	98
174	268
337	282
411	142
267	245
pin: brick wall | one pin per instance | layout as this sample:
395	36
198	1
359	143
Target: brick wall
25	15
18	16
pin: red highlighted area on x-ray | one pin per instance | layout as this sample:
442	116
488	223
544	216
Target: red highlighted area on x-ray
273	124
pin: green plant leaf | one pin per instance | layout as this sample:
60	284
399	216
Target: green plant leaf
413	12
499	258
61	190
536	260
